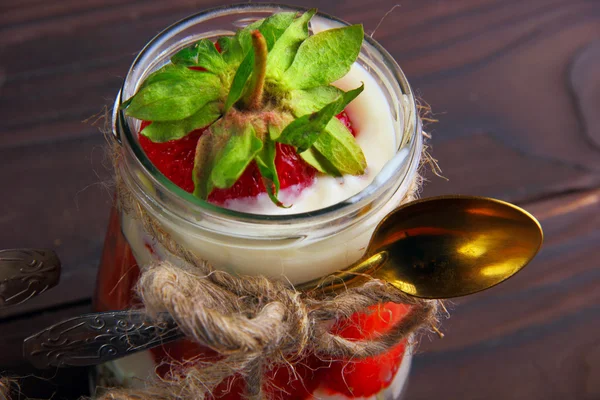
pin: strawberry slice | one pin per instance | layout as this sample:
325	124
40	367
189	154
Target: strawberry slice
345	119
175	159
279	382
367	377
352	378
299	384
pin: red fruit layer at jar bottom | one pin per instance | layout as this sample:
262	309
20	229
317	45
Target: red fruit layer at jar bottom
175	159
355	378
119	273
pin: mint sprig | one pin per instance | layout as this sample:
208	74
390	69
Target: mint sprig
269	83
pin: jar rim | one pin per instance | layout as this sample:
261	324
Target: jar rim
357	201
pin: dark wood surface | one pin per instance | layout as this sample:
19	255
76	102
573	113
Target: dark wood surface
515	85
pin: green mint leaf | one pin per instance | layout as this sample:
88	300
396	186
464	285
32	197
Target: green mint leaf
174	95
320	163
284	50
163	131
305	130
202	54
231	50
324	58
233	159
265	160
338	146
271	28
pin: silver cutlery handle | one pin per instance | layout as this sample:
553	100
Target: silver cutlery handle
95	338
25	273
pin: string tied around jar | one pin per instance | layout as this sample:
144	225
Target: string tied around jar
252	323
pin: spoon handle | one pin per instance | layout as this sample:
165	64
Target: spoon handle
95	338
25	273
352	276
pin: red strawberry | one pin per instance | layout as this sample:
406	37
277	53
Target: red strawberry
345	119
354	378
175	159
364	378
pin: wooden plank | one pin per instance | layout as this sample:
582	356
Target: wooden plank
537	331
58	199
493	70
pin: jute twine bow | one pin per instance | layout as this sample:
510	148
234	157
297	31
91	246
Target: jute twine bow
252	322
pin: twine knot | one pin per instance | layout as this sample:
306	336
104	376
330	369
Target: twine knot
255	323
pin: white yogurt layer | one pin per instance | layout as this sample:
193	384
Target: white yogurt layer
372	120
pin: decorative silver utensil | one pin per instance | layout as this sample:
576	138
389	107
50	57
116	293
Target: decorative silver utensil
95	338
25	273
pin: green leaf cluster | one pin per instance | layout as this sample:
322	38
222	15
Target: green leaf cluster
206	85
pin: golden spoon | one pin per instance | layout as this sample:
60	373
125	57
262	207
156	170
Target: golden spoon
438	247
443	247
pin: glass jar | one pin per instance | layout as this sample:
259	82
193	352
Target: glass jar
295	247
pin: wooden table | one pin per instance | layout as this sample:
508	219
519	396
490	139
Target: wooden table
515	86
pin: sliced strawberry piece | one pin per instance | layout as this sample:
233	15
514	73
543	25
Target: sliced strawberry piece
345	119
282	383
279	382
175	159
250	184
367	377
352	378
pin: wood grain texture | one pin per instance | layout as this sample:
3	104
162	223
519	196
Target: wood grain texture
535	336
58	199
515	85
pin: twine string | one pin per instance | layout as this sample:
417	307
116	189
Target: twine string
254	323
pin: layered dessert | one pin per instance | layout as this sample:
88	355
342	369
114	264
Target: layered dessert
277	119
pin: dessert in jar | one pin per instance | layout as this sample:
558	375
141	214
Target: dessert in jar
284	175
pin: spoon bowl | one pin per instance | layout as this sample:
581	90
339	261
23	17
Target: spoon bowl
444	247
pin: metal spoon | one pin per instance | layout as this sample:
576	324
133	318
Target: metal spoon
25	273
443	247
438	247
